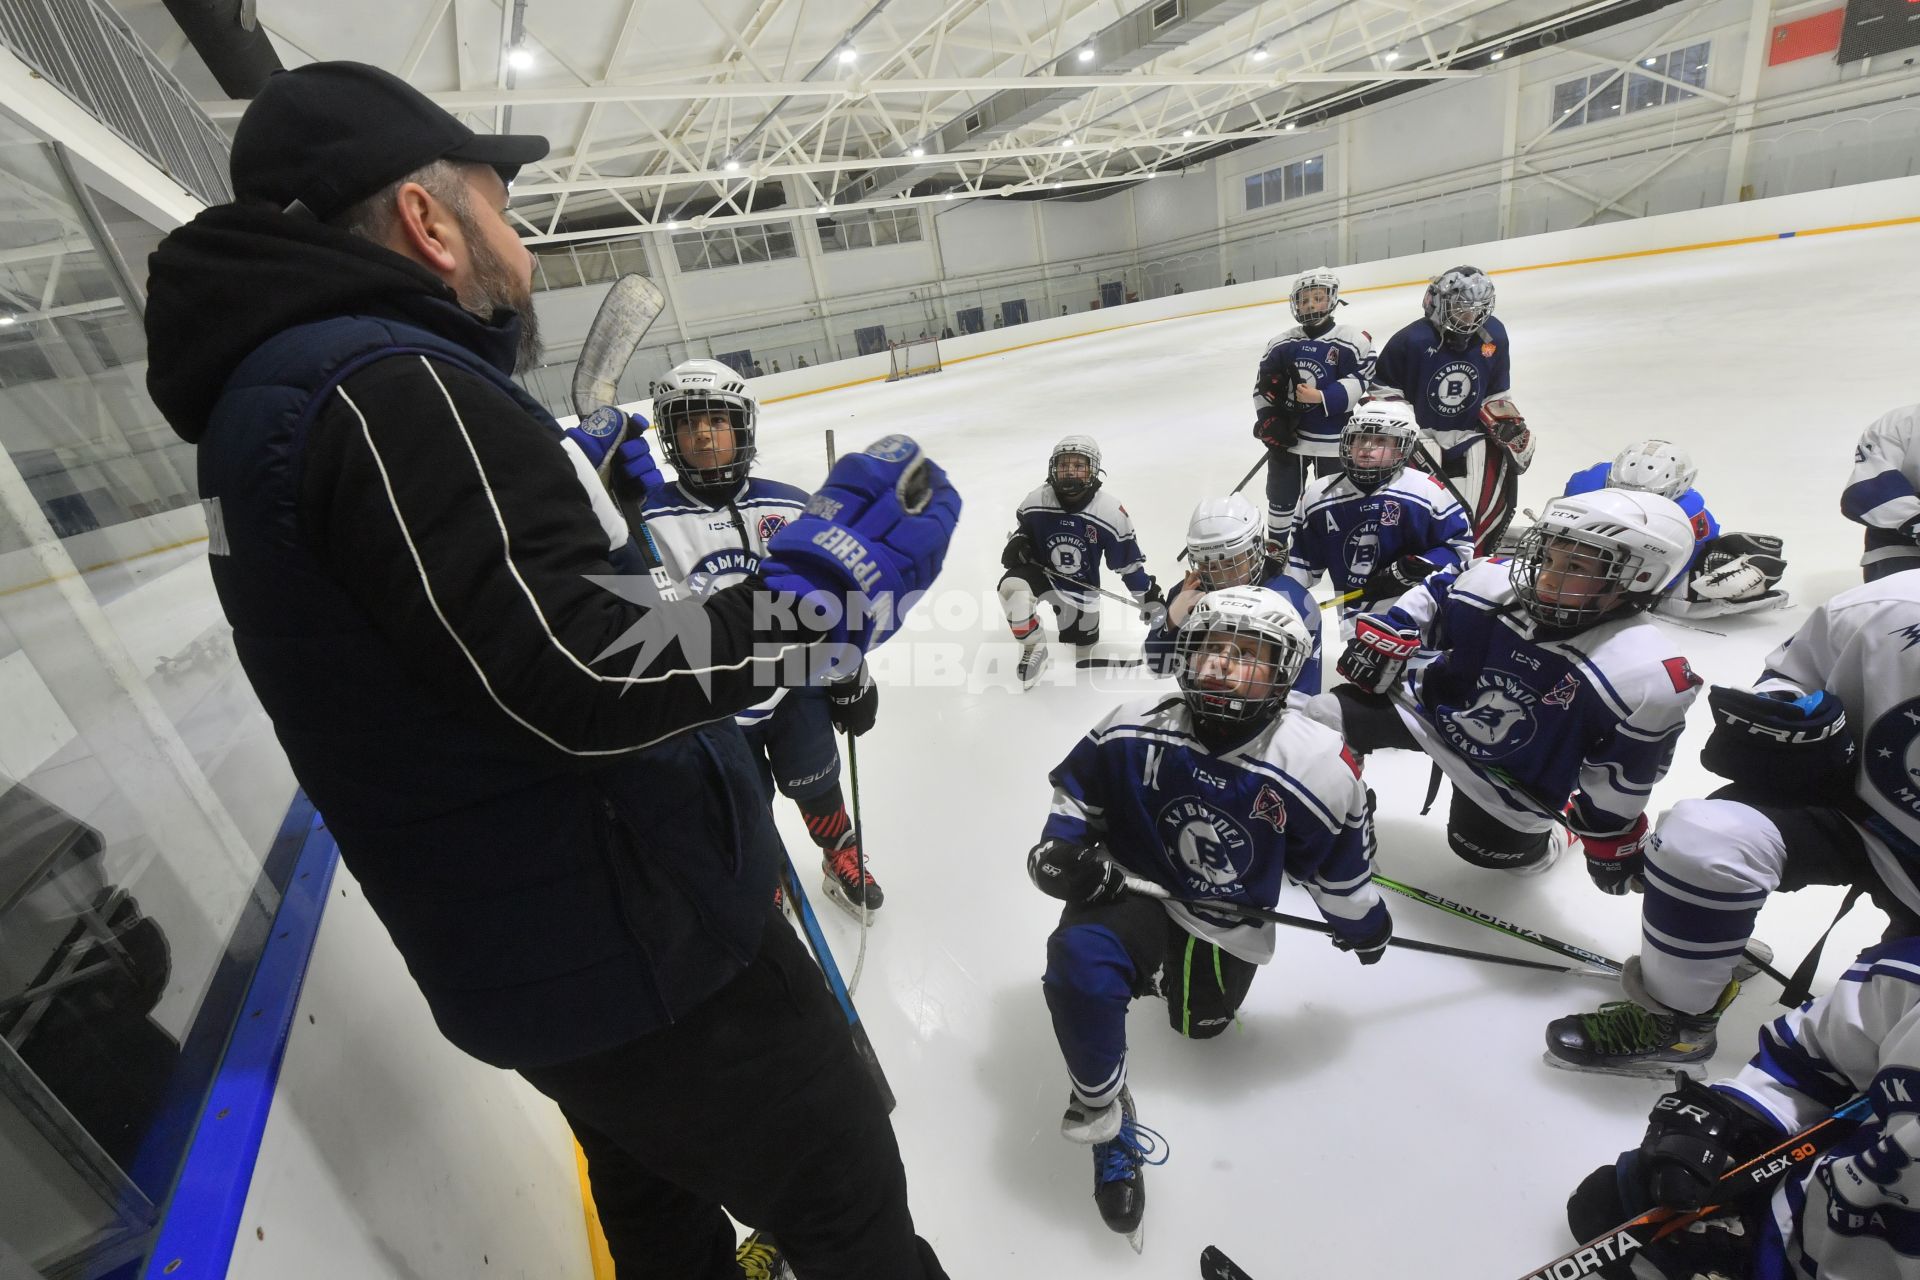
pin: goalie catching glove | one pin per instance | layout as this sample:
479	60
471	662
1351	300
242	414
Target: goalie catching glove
1509	430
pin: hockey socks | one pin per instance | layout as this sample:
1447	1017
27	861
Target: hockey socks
847	880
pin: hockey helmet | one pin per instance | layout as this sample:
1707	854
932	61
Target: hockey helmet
1074	488
697	390
1387	424
1458	302
1239	653
1224	537
1655	466
1591	555
1307	313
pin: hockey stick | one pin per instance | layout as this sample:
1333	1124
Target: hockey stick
859	826
1254	471
823	956
1215	1265
1495	923
1434	466
1148	889
626	313
1764	1172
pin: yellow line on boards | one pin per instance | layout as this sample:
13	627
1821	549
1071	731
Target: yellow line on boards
597	1251
82	572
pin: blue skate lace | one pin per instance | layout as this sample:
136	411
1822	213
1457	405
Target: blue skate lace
1132	1147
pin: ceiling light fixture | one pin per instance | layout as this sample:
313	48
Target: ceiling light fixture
1390	57
1067	142
730	164
917	152
848	55
5	320
1086	54
1292	125
673	224
1259	53
1186	133
519	59
1497	55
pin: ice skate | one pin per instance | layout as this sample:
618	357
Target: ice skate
1033	661
846	882
1558	841
1640	1037
759	1258
1089	1125
1119	1186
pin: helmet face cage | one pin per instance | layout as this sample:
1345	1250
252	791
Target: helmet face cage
1363	430
1596	593
1313	312
1460	301
1276	657
1233	564
677	409
1071	488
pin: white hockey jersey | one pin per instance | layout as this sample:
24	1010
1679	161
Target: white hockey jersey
1863	646
1883	493
1855	1214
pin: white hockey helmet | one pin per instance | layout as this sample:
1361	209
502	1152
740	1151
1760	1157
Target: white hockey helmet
1074	489
1389	423
1594	554
1318	278
1656	466
1224	542
1256	623
1458	302
704	389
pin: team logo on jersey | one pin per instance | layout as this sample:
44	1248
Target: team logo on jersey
1212	847
1497	722
1487	349
713	568
1389	513
1893	756
1453	387
1270	807
770	525
1561	695
1363	549
1911	633
1068	556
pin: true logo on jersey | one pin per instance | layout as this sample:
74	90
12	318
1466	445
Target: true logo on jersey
1209	845
1561	695
1496	723
770	525
1389	513
1270	807
1453	387
1893	756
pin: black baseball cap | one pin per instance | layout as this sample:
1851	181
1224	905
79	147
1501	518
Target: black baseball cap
323	137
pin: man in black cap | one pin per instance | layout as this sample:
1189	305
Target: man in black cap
571	850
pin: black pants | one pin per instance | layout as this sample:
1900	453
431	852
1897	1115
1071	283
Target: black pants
755	1102
1079	613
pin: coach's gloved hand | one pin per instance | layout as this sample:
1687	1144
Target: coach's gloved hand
853	704
1370	948
1396	578
1075	873
1377	654
871	540
632	473
1617	862
598	432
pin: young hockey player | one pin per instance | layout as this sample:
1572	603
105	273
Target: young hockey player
1453	366
1062	531
1883	493
1218	794
1379	527
1549	696
1309	380
1224	548
711	526
1806	807
1728	572
1850	1213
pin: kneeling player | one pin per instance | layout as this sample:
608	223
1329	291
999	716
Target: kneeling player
1218	794
1729	572
1224	548
1379	527
1851	1213
1063	529
1550	693
1806	807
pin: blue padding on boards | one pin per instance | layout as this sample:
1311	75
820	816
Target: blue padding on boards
195	1240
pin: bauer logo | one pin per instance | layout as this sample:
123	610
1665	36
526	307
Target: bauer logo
892	448
1209	845
1893	756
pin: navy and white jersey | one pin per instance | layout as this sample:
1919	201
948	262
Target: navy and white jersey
1883	493
1854	1214
1863	646
1338	362
1444	386
1692	505
1346	534
1161	638
1229	826
1072	543
1536	717
705	546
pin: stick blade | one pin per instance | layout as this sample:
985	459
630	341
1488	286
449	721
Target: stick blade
631	306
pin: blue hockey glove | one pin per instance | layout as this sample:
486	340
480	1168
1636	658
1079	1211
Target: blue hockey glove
632	473
598	433
871	540
1075	873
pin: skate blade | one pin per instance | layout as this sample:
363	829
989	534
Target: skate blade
838	896
1648	1070
1137	1238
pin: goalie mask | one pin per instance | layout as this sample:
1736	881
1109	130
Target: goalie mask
1376	442
1073	469
1596	555
1458	302
1654	466
706	418
1238	655
1224	542
1314	297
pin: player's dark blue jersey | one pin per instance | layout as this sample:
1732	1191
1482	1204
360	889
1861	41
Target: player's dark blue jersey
1338	362
1160	638
1692	505
1445	386
1347	534
1071	544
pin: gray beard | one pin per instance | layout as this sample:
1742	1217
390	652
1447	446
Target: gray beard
494	289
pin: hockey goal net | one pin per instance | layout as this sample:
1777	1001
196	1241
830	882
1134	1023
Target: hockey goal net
911	359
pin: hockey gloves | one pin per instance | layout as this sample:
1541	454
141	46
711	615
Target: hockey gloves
1391	581
615	445
1800	750
1370	948
1616	862
853	704
1737	566
1018	553
1075	873
598	433
869	543
1273	426
1694	1135
632	473
1377	655
1508	429
1153	605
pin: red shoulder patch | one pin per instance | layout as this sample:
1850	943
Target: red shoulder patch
1681	674
1701	529
1488	348
1351	762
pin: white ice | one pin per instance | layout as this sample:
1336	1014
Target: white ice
1394	1120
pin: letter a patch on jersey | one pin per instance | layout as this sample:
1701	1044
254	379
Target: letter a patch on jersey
1269	807
1681	674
